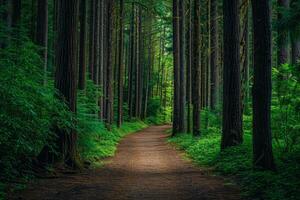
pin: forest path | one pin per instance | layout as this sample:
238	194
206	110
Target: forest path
145	167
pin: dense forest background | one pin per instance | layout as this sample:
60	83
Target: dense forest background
78	75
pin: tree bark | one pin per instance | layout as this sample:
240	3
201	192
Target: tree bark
262	87
282	39
189	63
101	60
132	62
91	38
16	13
244	10
82	50
295	39
65	74
232	116
176	60
42	33
196	69
182	98
121	66
110	77
214	54
96	21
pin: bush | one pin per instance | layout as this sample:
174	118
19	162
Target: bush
27	109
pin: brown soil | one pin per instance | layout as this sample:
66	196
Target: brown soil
145	167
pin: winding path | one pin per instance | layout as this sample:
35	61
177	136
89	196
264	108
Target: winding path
145	167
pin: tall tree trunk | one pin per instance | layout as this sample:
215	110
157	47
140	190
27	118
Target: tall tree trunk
91	37
262	87
189	63
182	99
110	97
141	64
214	54
132	62
244	52
196	69
105	58
82	50
147	91
121	66
137	63
16	13
176	58
232	117
42	33
283	39
295	39
65	75
96	21
2	20
101	59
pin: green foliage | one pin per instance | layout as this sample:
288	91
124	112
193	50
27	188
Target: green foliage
237	162
286	107
97	143
156	113
27	109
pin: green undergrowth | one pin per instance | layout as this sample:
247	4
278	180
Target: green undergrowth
236	162
99	143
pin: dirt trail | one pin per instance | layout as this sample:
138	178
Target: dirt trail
145	167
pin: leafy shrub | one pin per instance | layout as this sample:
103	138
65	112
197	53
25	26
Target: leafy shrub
27	109
286	107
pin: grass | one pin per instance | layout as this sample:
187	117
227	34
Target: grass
284	184
99	143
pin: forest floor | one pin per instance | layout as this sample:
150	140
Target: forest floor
145	167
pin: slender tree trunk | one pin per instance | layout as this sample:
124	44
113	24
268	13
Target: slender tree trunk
295	37
96	21
105	58
189	64
262	87
3	19
101	60
162	71
137	60
176	58
91	38
34	19
283	39
16	13
82	50
110	98
244	52
141	63
196	69
232	116
121	66
148	71
182	113
214	54
65	75
132	61
42	33
295	40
